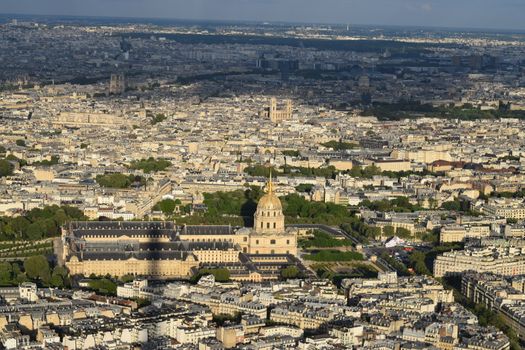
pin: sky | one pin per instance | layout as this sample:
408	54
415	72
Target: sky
499	14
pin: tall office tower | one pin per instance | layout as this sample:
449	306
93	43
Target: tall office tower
117	84
277	115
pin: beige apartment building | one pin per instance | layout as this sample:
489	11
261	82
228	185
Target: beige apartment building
458	233
506	208
506	262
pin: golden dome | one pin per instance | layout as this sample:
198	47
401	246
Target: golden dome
269	202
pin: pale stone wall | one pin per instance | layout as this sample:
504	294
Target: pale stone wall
154	268
284	243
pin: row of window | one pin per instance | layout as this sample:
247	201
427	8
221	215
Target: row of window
268	225
272	241
212	240
269	213
272	252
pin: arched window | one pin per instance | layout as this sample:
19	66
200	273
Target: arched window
274	225
267	225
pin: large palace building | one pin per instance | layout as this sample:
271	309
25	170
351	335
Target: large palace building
165	250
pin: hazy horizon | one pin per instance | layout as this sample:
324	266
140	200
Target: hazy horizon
475	14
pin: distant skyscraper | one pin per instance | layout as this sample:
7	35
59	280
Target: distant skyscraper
117	84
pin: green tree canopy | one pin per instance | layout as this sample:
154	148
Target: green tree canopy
339	145
167	206
220	274
6	273
290	272
38	223
388	230
118	180
403	232
59	277
150	165
37	267
6	168
452	205
104	286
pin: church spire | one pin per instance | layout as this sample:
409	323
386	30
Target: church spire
270	183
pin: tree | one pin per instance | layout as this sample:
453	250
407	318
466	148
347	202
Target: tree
324	240
304	188
150	165
339	145
158	118
37	267
417	259
290	272
367	173
20	225
220	274
54	160
57	281
221	319
118	180
59	278
388	230
291	153
18	275
167	206
127	278
38	223
403	232
20	143
6	274
34	232
260	170
6	168
72	212
371	171
104	286
452	205
432	203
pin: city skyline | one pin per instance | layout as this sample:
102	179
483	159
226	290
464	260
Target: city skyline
262	180
484	14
